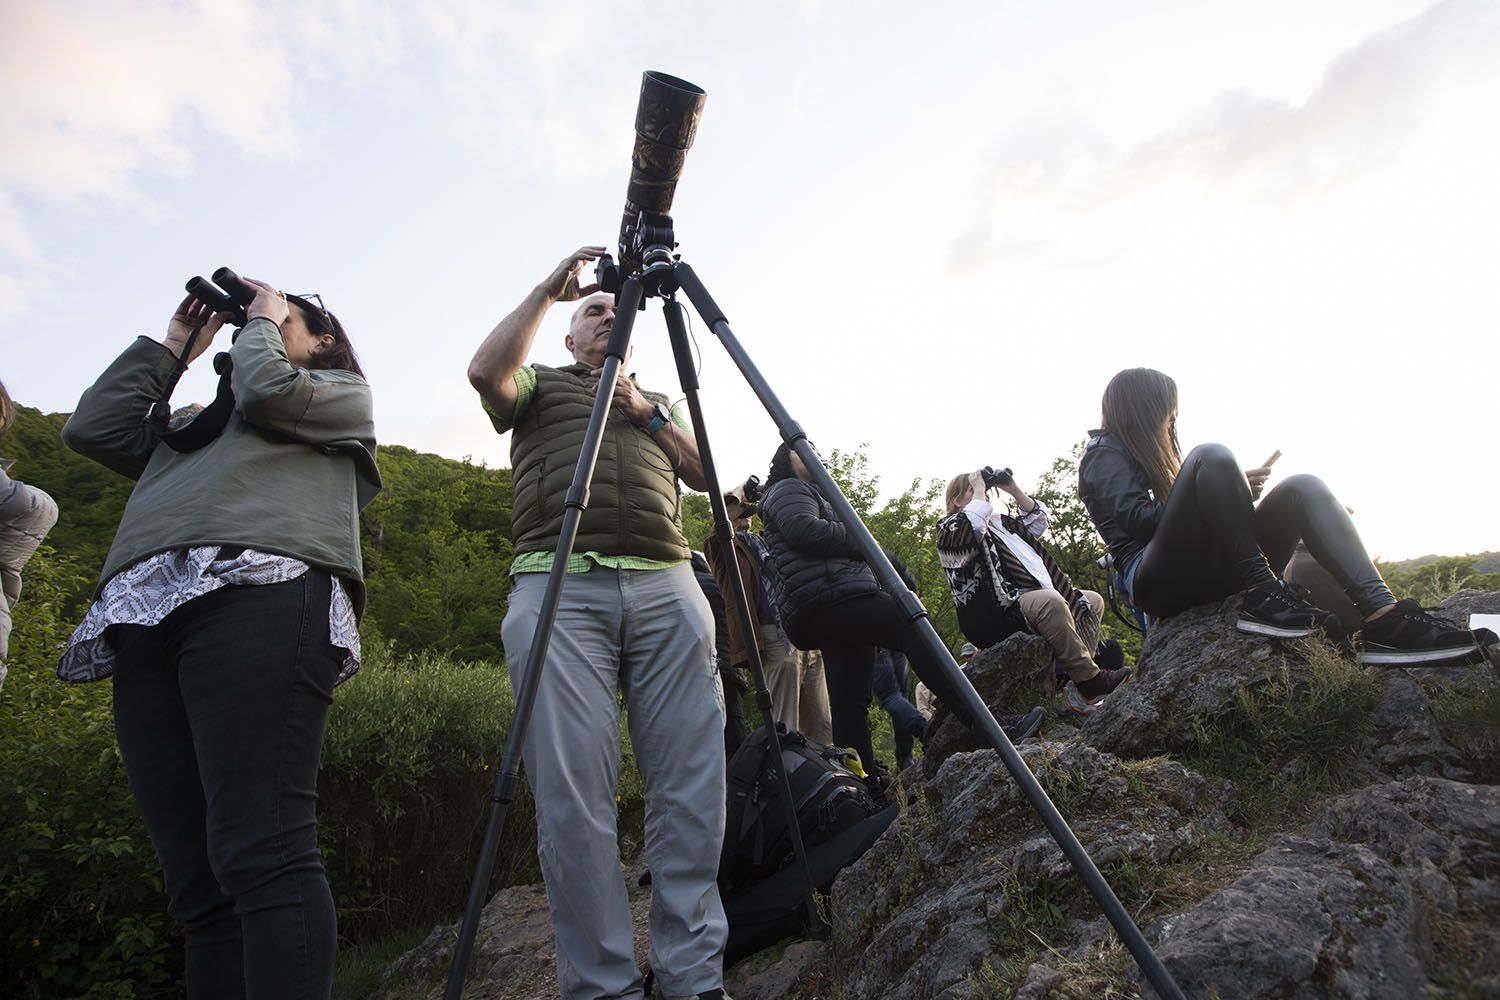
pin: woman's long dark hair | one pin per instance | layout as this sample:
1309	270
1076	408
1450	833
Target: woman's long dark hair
781	465
1140	409
319	322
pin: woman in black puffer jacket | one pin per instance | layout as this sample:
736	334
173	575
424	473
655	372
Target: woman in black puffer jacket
828	599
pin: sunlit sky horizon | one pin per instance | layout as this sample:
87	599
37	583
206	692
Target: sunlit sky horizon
938	231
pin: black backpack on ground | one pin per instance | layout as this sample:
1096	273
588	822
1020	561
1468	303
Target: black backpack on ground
839	817
830	798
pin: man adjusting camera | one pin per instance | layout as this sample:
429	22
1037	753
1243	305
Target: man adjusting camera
631	621
1005	581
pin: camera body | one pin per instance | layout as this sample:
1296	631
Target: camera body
994	477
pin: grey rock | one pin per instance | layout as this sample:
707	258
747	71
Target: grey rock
1040	980
1343	909
1404	738
746	981
1313	918
916	916
1011	677
1191	667
513	948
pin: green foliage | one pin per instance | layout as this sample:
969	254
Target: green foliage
80	895
437	554
407	764
1430	582
697	519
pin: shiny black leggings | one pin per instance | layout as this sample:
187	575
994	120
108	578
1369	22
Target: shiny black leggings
1214	541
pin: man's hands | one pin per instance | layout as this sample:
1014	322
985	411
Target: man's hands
627	398
190	315
562	284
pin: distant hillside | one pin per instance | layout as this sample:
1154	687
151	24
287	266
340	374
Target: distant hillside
1484	562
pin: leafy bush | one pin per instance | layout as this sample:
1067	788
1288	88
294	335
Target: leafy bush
403	790
80	893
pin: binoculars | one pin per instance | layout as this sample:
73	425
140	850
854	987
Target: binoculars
996	477
226	293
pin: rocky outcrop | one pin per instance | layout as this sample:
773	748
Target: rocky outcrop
918	915
1391	889
1191	667
1011	677
1347	908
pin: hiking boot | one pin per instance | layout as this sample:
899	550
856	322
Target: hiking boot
1102	683
1018	727
1075	702
1407	635
1274	609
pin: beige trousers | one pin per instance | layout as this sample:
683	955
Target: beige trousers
1048	616
813	716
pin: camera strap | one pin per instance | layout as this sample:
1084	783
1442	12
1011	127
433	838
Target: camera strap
209	423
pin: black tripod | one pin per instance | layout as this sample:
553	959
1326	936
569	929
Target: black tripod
663	275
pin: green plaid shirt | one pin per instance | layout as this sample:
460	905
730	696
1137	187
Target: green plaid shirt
578	562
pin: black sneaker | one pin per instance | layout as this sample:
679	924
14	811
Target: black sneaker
1407	635
1018	727
1274	609
1102	683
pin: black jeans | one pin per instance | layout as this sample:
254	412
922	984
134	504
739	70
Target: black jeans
848	633
220	712
1214	541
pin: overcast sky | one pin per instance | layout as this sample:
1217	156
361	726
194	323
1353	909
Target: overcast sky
938	229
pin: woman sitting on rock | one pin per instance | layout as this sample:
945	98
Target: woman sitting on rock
827	598
1186	531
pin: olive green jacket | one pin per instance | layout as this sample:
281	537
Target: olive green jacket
289	474
633	507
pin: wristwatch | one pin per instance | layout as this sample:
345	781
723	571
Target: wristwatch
660	417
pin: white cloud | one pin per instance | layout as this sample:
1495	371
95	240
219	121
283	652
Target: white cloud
1050	184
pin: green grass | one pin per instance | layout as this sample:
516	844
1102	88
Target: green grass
1290	741
358	970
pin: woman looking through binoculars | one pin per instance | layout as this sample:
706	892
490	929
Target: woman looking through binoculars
226	613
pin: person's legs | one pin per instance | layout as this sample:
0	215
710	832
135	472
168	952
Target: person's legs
572	754
258	711
1302	508
675	709
156	744
1205	547
734	715
815	718
1049	616
776	658
906	722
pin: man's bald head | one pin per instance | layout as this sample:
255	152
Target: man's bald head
590	327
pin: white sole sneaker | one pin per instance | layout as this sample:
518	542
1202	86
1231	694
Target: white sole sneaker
1274	631
1385	656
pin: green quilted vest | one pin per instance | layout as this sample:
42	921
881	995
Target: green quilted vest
633	506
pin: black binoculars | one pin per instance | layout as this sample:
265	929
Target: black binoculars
226	293
996	477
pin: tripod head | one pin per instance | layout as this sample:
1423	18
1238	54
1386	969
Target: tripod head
651	242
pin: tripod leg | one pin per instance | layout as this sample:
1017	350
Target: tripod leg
508	775
724	532
792	433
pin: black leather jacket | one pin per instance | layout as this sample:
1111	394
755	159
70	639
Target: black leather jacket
814	564
1118	497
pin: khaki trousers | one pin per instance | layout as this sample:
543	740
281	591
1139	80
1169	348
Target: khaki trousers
1048	616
